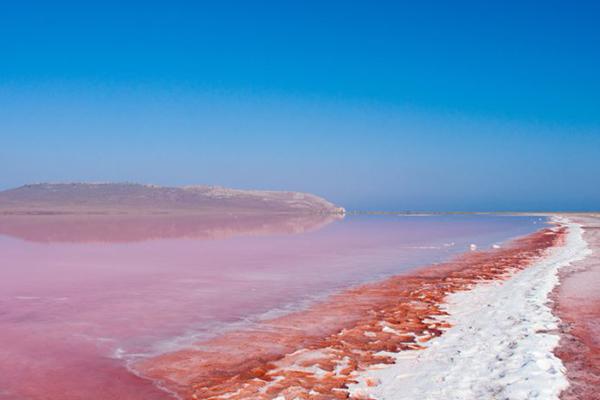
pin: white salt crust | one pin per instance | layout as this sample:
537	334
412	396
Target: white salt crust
500	346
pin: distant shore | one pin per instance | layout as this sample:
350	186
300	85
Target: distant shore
132	198
508	213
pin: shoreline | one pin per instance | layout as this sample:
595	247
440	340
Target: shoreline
320	352
501	344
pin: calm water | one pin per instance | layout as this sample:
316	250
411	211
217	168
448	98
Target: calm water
80	297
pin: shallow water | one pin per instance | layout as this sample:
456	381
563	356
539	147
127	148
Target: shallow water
80	297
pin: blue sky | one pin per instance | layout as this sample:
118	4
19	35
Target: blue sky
375	105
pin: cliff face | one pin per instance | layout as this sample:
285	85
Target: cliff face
127	198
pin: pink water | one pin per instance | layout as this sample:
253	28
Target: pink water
76	307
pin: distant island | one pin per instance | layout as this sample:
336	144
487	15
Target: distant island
133	198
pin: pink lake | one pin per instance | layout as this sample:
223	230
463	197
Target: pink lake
82	297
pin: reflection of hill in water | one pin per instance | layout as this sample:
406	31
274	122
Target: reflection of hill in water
133	228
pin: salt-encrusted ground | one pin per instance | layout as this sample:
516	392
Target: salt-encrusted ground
500	346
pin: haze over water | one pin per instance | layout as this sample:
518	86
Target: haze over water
77	304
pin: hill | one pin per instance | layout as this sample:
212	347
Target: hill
131	198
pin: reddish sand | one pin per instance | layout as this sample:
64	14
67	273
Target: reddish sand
313	354
577	304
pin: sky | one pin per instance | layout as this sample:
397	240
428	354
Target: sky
456	105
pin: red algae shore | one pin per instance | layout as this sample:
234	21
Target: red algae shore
317	353
577	304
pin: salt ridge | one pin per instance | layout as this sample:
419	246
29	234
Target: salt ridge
500	346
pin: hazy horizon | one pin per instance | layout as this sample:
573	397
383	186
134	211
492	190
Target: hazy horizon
468	106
